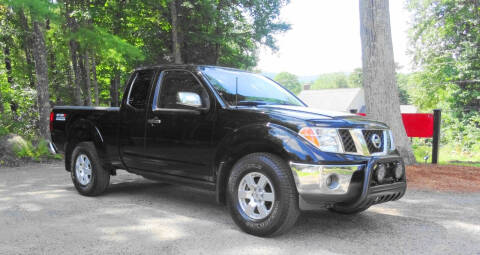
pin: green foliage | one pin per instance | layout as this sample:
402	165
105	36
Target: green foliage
333	80
36	152
119	36
403	87
445	39
448	154
355	79
39	9
289	81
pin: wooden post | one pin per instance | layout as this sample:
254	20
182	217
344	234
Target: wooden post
437	119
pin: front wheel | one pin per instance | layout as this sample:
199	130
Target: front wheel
262	197
87	172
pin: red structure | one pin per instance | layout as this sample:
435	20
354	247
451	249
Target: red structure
418	124
423	125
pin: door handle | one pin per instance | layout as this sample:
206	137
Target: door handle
154	121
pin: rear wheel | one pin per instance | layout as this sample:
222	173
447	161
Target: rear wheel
88	175
262	197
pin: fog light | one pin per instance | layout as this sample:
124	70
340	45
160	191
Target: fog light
380	172
332	181
399	171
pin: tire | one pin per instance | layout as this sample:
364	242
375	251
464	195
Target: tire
283	209
348	211
91	182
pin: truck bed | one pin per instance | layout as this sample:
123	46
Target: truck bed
103	123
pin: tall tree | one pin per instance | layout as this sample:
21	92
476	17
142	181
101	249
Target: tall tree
176	45
381	91
43	96
94	80
445	44
27	45
72	27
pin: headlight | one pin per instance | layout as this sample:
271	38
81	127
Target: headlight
326	139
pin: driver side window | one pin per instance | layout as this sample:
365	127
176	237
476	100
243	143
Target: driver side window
181	90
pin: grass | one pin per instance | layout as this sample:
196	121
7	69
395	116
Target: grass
36	153
448	155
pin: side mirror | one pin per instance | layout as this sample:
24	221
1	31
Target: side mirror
191	99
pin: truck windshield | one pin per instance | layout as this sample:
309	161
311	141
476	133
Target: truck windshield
252	89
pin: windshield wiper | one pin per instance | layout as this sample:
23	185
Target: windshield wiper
251	103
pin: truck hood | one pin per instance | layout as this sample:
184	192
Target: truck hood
305	113
322	117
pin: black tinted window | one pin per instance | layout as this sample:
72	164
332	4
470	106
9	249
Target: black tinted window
179	81
139	91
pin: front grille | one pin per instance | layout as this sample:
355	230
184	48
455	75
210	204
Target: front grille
347	140
369	138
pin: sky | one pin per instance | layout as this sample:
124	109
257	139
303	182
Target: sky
325	37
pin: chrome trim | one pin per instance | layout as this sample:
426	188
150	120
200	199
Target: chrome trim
385	148
130	90
392	143
312	178
359	141
51	148
99	134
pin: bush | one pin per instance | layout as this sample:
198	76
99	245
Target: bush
14	149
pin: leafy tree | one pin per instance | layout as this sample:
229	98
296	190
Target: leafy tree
290	81
89	47
331	80
445	39
355	78
403	86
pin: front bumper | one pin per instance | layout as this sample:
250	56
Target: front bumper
345	186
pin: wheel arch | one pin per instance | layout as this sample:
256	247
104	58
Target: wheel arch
80	130
267	138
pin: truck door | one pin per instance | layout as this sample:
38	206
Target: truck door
180	126
133	116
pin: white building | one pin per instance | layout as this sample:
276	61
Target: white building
343	100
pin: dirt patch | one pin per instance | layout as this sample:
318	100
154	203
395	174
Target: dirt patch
444	177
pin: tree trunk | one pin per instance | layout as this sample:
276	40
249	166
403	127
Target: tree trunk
114	86
381	90
77	93
8	67
27	45
176	47
73	47
2	110
54	72
41	71
117	29
85	70
95	82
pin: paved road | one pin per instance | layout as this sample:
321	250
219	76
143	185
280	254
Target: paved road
40	212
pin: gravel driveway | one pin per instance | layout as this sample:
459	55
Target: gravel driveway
41	212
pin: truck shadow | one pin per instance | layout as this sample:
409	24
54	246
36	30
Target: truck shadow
401	226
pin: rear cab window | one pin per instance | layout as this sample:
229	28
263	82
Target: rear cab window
138	94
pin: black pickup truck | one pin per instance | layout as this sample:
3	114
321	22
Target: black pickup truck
265	154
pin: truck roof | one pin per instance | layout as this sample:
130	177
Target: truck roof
183	66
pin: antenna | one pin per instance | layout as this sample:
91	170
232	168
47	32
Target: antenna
236	92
